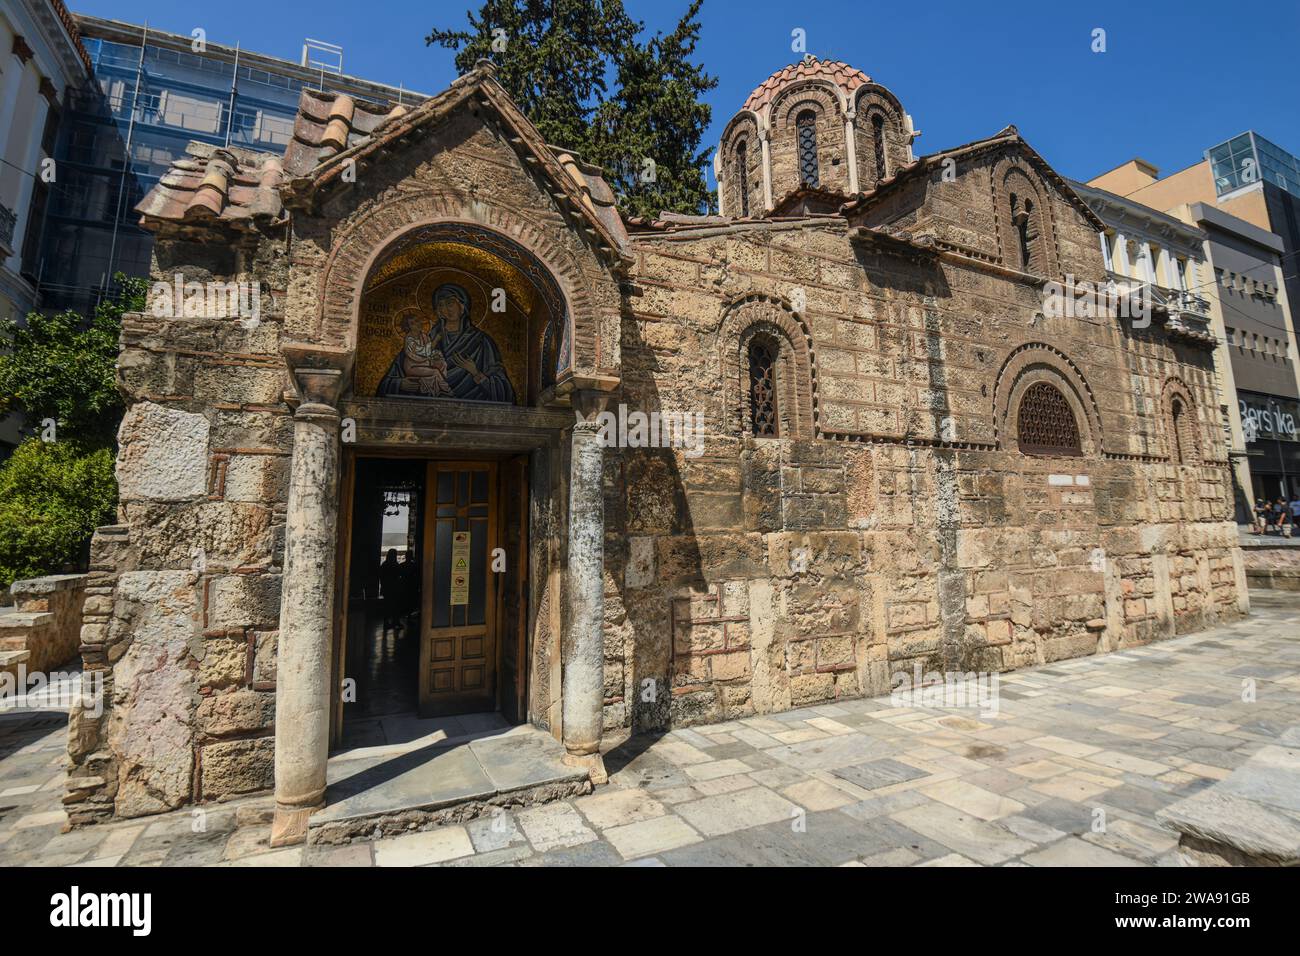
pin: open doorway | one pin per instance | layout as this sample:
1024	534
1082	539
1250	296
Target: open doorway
435	618
384	588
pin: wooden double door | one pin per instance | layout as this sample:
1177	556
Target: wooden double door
473	616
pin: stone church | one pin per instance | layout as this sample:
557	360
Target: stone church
486	446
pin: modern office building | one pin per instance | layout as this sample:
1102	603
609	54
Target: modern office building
150	95
40	58
1247	176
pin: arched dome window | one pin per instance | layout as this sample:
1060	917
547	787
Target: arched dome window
878	141
806	127
742	177
1045	422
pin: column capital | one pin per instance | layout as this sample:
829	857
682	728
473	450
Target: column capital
588	403
320	373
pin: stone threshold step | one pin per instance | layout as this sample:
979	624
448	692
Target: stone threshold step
432	785
1251	817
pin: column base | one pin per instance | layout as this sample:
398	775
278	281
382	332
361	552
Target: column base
594	763
289	827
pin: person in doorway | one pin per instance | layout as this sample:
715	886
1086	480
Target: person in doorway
410	585
390	589
1294	508
1282	515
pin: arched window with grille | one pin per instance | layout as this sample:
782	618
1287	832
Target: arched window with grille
1045	422
742	178
878	141
806	128
763	418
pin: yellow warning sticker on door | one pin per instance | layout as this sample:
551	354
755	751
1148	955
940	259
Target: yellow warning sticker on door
459	567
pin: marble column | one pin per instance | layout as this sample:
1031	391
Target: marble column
302	692
584	664
851	148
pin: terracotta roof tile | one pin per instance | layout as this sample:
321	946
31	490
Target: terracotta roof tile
847	78
236	185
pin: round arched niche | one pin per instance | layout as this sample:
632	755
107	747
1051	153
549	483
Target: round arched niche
513	336
1035	365
1182	426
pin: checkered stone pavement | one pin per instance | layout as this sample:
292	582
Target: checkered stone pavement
1071	770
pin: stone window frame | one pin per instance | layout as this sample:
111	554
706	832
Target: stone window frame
1182	446
1008	239
830	105
871	101
769	318
1029	365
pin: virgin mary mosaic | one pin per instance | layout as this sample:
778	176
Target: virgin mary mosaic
448	356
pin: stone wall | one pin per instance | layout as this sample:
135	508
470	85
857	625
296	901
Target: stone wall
183	599
766	574
42	630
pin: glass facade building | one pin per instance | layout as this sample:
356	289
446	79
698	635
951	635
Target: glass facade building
1250	158
151	94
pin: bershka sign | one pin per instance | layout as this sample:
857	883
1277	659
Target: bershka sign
1267	417
77	909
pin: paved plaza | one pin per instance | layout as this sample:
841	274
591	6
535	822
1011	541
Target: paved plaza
1071	770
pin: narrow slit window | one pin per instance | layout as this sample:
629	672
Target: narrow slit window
878	139
806	126
742	178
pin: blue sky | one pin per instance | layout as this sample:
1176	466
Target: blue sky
1175	79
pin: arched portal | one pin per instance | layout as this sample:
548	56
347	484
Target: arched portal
455	311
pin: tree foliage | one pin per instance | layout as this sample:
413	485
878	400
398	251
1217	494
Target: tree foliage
54	493
555	58
52	497
63	366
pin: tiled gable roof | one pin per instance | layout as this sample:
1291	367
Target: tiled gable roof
332	129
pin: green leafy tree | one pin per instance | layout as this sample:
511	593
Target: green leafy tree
54	493
555	57
63	366
52	497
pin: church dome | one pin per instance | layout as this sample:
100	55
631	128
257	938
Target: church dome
846	77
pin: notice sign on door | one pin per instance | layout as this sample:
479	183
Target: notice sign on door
460	567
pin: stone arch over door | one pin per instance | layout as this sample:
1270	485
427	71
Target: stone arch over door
514	303
770	319
1039	363
369	240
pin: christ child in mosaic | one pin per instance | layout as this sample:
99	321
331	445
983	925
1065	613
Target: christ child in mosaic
424	368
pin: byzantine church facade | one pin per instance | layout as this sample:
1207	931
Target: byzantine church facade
905	461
